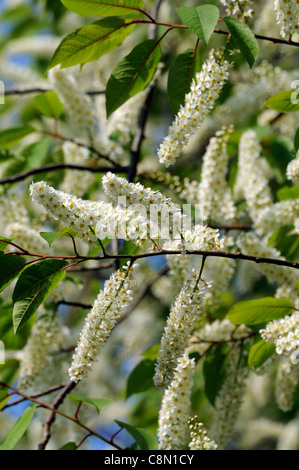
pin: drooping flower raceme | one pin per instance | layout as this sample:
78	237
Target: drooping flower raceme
111	302
173	427
250	181
238	8
293	169
214	195
277	215
180	324
205	89
284	333
199	436
74	212
287	378
76	182
287	16
77	103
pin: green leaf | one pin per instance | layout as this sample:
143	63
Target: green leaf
152	353
50	237
180	76
91	42
4	243
296	141
33	287
99	403
48	104
105	8
132	75
214	371
244	39
288	192
36	153
18	430
200	20
283	102
259	353
258	311
141	378
144	439
10	267
69	446
13	135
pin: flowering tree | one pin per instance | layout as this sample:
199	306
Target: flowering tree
149	215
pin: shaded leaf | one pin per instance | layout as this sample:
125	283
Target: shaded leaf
144	439
259	353
13	135
283	102
103	8
99	403
10	267
141	378
214	371
244	39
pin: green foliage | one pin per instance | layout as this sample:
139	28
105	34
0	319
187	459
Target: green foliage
89	43
244	39
259	353
143	439
283	102
13	135
48	104
141	378
106	8
214	367
200	20
10	268
259	311
18	430
99	403
132	75
33	287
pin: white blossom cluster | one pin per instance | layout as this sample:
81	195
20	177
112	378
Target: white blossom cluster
229	400
47	336
238	8
26	237
283	276
284	333
108	307
293	169
251	184
287	16
74	212
205	89
76	182
287	378
179	326
214	194
199	436
173	427
77	103
220	272
277	215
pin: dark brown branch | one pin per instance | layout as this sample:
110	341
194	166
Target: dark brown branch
74	304
35	395
51	419
29	91
60	166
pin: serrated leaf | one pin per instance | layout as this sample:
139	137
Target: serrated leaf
18	430
132	75
258	311
99	403
283	102
33	287
288	192
103	8
244	39
10	267
141	378
144	439
13	135
48	104
180	77
91	42
259	353
214	371
200	20
50	237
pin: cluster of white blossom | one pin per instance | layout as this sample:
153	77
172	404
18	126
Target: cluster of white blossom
205	89
220	272
173	427
77	182
214	194
287	16
284	277
293	169
182	320
277	215
77	104
26	237
251	184
238	8
199	436
284	333
287	379
74	212
47	336
229	400
108	307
